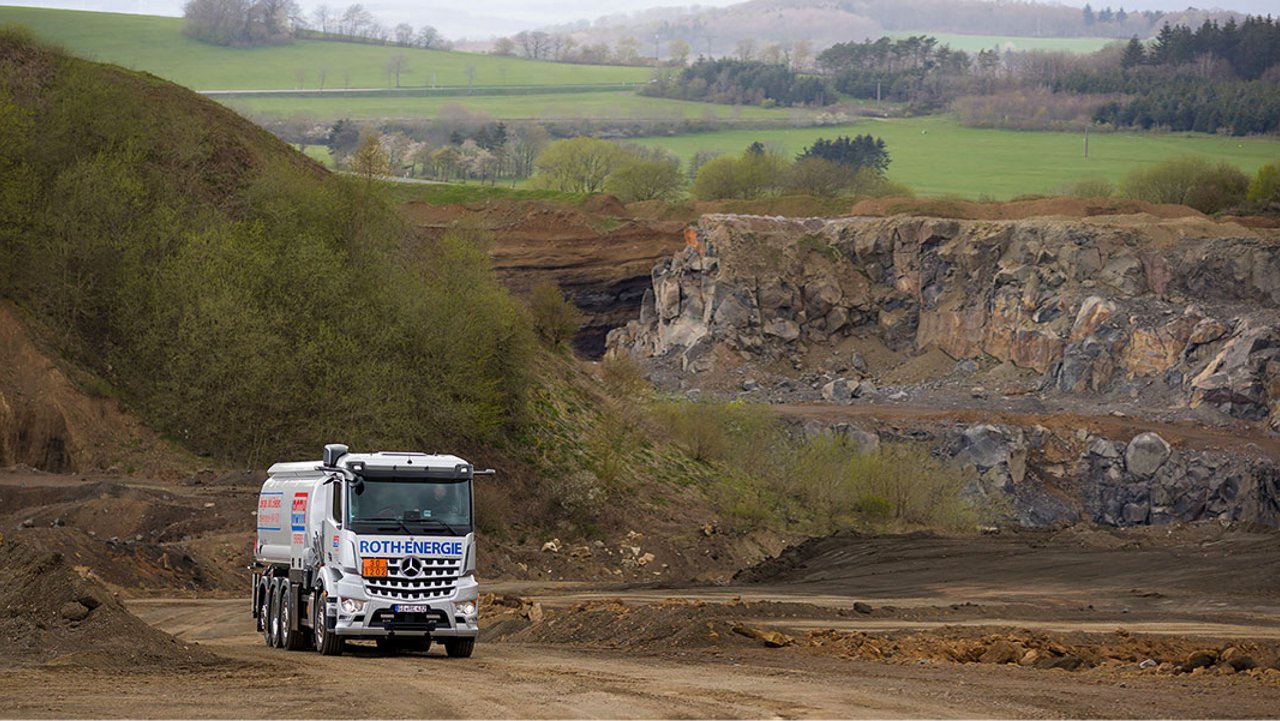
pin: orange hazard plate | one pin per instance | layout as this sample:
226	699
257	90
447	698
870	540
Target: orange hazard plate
375	567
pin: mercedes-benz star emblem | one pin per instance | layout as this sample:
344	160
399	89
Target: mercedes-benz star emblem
410	566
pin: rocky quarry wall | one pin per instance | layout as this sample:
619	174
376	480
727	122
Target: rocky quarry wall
1182	315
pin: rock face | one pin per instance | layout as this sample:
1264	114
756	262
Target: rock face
1094	308
1098	310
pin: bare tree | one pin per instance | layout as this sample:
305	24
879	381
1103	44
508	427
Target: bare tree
404	35
321	74
395	66
746	49
322	18
504	46
429	37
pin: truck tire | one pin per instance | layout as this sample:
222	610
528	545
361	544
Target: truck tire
459	647
273	620
264	610
290	639
328	644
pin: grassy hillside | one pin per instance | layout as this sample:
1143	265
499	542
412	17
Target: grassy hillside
937	156
243	300
157	45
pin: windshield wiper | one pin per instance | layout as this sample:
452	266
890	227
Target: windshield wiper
383	524
446	526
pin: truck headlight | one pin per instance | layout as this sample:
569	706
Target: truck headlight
464	608
352	605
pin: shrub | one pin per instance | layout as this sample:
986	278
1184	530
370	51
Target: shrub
1265	186
653	176
753	174
1092	188
555	318
1195	182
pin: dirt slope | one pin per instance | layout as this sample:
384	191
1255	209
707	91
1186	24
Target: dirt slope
49	422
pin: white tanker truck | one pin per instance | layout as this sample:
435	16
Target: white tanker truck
367	545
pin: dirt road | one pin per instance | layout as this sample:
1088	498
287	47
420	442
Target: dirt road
544	681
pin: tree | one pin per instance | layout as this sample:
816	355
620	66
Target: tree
1087	14
370	160
555	318
404	35
429	37
645	175
524	144
396	65
343	138
819	176
627	51
1135	53
1265	186
577	165
753	174
862	151
504	46
678	53
322	18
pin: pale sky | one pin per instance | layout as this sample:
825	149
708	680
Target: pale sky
481	19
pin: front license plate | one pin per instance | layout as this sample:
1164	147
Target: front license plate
410	608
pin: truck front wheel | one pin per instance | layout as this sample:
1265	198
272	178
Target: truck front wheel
328	644
459	647
264	610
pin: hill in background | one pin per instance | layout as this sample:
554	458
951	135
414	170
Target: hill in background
157	45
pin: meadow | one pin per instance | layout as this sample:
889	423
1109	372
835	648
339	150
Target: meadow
157	45
616	105
935	155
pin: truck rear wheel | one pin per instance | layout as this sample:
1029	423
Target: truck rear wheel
273	620
459	647
290	639
328	644
264	610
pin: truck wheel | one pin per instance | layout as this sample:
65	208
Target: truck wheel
328	644
459	647
264	611
290	640
273	620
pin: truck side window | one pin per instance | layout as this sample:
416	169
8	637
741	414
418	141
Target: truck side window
336	506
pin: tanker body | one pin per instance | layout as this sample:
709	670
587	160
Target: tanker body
367	545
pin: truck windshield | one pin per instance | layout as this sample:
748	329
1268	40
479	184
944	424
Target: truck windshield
410	506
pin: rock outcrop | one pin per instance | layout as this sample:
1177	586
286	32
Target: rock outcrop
1093	307
1177	316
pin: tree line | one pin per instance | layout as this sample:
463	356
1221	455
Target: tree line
742	82
276	22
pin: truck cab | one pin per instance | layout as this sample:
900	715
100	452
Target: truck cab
367	546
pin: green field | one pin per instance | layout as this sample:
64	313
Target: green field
157	45
974	43
937	156
602	106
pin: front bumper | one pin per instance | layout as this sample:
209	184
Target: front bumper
378	618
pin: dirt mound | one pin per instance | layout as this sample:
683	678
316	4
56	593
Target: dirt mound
677	624
49	422
1018	209
135	539
54	614
671	624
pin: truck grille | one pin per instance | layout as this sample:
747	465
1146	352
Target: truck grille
416	579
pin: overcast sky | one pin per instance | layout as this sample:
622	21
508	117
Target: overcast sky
480	19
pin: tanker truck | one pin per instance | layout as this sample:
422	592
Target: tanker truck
367	546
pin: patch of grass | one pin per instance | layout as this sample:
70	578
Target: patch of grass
157	45
612	105
937	156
